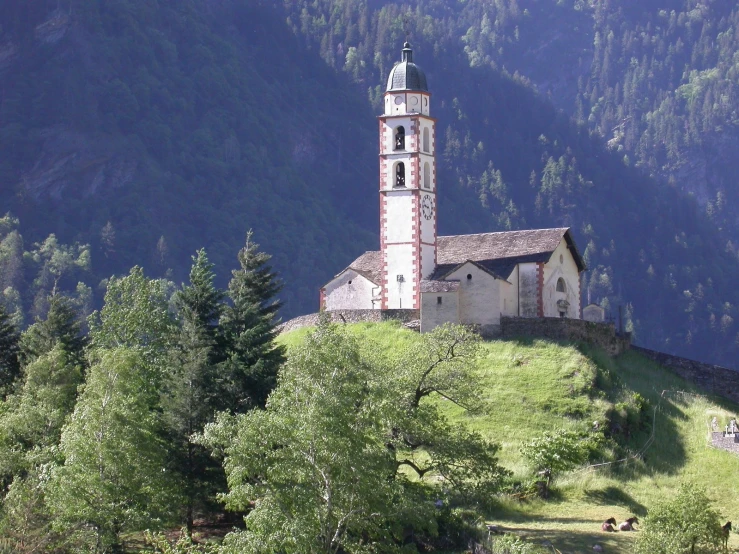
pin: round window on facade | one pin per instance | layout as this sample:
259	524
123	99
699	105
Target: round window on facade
469	276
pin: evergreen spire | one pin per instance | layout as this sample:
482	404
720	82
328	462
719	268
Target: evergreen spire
9	349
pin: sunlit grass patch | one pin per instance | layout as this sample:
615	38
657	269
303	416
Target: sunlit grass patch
533	386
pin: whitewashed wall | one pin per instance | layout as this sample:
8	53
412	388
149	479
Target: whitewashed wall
388	134
399	224
561	264
400	261
479	297
434	314
428	260
509	294
351	291
593	312
528	297
409	102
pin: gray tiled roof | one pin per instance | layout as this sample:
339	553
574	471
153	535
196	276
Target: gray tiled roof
439	286
498	253
369	265
407	76
535	245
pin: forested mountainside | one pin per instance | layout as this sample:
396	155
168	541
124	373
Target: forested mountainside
149	129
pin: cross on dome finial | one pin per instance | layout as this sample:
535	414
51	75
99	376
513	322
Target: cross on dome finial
407	52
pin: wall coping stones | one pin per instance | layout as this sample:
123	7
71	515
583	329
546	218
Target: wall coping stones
350	316
715	379
603	335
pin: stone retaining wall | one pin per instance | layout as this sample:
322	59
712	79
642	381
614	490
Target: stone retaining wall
350	316
725	443
557	328
714	379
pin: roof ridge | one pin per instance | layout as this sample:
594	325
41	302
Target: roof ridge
507	232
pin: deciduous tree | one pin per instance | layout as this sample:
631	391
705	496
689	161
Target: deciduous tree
113	479
686	523
319	468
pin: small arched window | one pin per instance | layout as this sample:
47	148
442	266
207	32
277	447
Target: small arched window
400	175
426	140
561	287
400	138
426	176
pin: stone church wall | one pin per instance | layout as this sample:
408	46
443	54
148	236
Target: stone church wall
714	379
600	334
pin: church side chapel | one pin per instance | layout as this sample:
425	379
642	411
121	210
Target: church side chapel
470	279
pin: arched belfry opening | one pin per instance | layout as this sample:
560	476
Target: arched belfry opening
561	286
400	175
400	138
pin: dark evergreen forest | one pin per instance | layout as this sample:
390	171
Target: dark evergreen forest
137	131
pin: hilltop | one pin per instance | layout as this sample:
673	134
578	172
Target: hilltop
532	386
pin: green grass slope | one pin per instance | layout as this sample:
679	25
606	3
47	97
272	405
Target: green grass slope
535	385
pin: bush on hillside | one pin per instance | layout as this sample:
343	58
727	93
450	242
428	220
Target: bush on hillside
685	523
510	544
559	451
628	417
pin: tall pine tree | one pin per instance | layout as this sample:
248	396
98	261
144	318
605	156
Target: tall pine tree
249	326
10	367
193	389
61	327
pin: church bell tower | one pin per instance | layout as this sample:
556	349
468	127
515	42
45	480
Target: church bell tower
407	186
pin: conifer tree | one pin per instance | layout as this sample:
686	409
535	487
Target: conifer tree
201	303
61	327
9	348
249	327
193	387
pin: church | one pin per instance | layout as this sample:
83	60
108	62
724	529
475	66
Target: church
469	279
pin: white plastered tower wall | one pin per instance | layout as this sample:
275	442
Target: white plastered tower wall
408	228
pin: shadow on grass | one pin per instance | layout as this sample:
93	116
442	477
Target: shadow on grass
630	373
613	495
572	540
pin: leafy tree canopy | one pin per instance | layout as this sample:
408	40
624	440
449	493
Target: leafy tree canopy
686	523
320	468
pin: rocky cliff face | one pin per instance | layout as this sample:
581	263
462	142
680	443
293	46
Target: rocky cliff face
72	162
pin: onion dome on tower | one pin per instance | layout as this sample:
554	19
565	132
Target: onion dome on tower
406	75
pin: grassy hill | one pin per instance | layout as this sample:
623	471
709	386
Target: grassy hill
535	385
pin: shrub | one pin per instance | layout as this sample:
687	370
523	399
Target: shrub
684	524
510	544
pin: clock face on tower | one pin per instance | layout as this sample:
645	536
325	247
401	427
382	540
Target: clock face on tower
427	206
